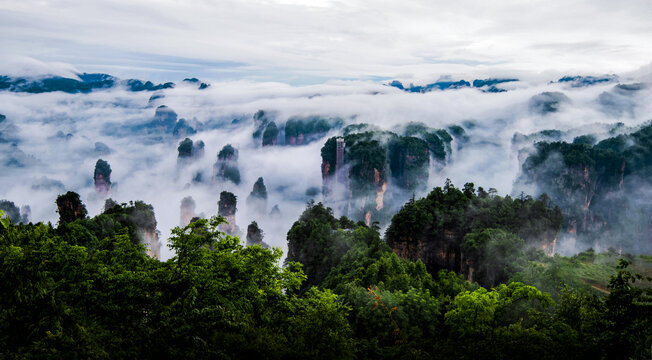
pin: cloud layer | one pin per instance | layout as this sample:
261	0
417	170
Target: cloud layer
310	41
146	168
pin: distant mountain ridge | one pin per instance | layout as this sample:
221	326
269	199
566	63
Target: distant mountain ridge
486	85
490	84
85	83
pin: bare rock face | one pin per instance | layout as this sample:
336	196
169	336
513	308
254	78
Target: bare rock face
441	252
227	209
164	118
144	219
102	177
270	135
187	211
151	238
257	199
255	235
601	188
189	151
275	213
70	207
226	167
461	231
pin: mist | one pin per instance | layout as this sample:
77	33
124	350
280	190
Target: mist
50	141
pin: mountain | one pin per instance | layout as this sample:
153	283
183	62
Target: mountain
485	85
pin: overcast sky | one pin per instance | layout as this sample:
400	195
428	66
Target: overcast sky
309	41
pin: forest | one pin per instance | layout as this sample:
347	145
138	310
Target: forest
85	288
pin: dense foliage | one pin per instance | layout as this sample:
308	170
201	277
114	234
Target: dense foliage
270	135
593	185
227	203
302	130
102	170
399	310
185	148
226	166
408	161
89	291
473	233
214	299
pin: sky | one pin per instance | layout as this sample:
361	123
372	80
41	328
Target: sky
312	41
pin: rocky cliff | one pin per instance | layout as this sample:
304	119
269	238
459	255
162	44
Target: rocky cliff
359	167
102	177
226	167
187	211
595	186
227	207
255	235
434	229
70	207
257	199
189	151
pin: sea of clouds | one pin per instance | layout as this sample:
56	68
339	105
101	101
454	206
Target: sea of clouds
52	136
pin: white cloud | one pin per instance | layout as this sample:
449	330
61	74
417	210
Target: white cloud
310	41
148	171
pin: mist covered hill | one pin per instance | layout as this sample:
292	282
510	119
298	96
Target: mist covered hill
166	142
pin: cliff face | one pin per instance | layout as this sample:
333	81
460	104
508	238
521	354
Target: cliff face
441	250
189	151
594	185
140	219
303	130
227	209
436	229
226	167
102	177
270	135
143	218
257	199
164	119
187	211
151	238
358	168
255	235
70	207
409	162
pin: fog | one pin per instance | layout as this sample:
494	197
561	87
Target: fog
37	165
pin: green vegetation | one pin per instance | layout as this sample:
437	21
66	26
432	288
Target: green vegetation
259	190
459	230
226	167
227	203
328	155
89	291
408	161
270	135
399	310
592	185
302	130
438	140
70	207
587	271
228	152
371	152
185	148
214	299
102	170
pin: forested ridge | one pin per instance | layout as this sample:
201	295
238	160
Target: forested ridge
86	288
